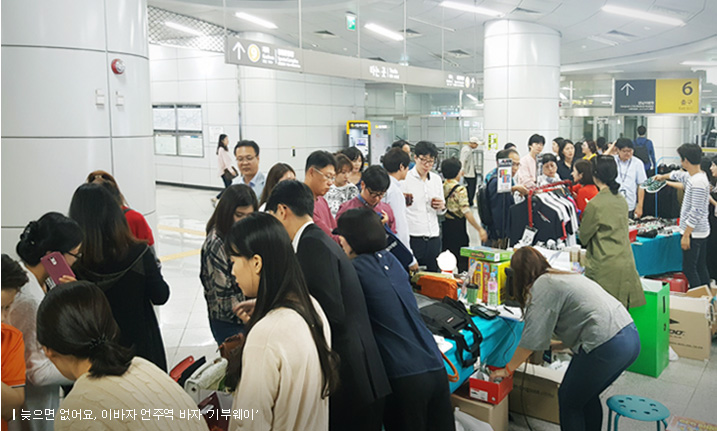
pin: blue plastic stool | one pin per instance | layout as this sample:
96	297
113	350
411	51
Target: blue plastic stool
638	408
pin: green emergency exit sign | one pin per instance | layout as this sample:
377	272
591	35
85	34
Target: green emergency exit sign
351	22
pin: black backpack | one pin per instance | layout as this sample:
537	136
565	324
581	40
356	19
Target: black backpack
641	151
447	319
484	211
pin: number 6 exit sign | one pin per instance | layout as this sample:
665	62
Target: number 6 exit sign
657	96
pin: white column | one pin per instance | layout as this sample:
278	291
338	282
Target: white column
521	70
667	133
65	113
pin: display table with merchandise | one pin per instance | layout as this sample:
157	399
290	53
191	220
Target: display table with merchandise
658	255
500	339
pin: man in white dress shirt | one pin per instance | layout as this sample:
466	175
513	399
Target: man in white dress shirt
396	162
425	194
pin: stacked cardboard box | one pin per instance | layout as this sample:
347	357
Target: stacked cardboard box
488	260
535	392
693	322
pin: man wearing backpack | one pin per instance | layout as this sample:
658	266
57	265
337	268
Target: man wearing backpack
645	151
499	204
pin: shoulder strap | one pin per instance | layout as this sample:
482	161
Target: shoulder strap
452	190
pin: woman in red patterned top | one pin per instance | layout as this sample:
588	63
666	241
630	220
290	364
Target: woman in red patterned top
136	221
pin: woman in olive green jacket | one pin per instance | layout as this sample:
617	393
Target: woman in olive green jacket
604	232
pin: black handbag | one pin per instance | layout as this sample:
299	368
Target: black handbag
447	319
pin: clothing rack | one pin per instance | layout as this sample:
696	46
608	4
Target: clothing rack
657	163
545	188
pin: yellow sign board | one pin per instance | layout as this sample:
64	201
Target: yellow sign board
492	141
677	96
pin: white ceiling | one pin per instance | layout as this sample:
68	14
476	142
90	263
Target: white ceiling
642	47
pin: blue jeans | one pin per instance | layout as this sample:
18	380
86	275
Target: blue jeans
589	374
221	330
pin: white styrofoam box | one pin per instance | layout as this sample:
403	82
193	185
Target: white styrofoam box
64	164
163	70
259	114
161	52
170	174
222	113
133	160
290	92
197	176
291	115
164	92
534	81
192	91
318	94
534	49
317	115
134	116
497	77
46	23
261	90
265	136
533	114
291	136
342	96
126	26
222	90
27	83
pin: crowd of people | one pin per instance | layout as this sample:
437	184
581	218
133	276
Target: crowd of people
331	334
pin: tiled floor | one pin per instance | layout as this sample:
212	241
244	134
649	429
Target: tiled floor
687	387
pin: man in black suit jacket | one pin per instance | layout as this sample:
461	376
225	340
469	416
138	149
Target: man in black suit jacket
332	280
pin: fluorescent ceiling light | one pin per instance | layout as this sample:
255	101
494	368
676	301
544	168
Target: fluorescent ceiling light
472	97
470	8
563	97
699	63
603	40
182	28
639	14
384	31
256	20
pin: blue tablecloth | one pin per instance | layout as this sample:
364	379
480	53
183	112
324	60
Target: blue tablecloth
500	339
657	255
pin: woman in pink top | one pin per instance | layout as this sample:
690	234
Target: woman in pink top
227	170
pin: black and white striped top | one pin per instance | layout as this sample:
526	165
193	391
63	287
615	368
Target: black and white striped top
695	204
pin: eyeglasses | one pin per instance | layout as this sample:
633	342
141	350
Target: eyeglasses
76	256
426	160
246	159
330	179
376	195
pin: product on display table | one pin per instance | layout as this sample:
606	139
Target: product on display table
657	248
486	268
653	325
435	285
487	254
652	185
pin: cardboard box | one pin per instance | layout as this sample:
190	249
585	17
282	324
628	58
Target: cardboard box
487	254
535	392
685	424
495	415
691	322
653	325
489	392
712	295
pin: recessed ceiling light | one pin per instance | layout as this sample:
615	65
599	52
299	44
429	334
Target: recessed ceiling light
470	8
603	40
383	31
639	14
256	20
183	28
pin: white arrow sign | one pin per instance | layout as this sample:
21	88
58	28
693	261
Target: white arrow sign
239	48
626	88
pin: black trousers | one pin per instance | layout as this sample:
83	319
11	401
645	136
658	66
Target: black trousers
419	403
455	236
471	186
344	415
426	250
227	183
694	263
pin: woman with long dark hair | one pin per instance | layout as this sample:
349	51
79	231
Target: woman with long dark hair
584	189
287	367
584	318
220	288
604	232
79	335
566	152
226	164
53	232
278	173
123	267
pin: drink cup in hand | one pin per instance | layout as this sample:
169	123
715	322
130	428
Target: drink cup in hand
409	199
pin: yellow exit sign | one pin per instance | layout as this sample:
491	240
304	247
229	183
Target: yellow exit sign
677	96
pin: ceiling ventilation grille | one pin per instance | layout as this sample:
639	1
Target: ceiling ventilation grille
525	11
211	39
457	53
325	34
410	33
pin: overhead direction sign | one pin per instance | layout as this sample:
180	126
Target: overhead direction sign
251	53
657	96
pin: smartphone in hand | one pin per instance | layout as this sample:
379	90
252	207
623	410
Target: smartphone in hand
56	265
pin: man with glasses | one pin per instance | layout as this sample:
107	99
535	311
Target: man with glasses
320	174
247	154
374	183
630	174
500	203
424	190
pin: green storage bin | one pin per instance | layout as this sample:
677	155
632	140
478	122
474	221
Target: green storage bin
653	324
